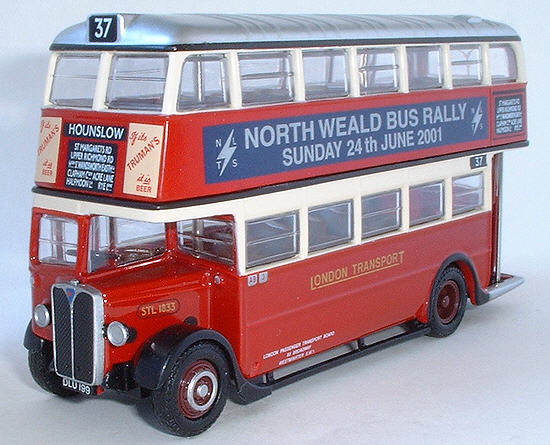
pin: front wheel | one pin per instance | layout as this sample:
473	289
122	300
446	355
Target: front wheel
41	367
195	392
447	302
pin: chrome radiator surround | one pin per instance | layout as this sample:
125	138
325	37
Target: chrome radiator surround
78	319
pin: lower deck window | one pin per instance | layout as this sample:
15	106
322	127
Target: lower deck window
426	203
467	193
381	213
330	225
208	238
272	239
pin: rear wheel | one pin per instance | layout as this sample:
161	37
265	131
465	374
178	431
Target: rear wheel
195	392
447	302
41	367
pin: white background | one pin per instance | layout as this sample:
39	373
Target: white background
488	383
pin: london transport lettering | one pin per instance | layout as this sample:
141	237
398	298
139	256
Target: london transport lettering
356	270
252	149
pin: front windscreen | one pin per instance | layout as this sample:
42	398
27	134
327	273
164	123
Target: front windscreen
118	241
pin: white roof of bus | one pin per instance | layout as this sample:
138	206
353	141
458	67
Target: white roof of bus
210	31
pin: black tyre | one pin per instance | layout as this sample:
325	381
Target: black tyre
195	392
41	367
447	302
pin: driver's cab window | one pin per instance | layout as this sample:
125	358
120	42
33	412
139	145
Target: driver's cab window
118	241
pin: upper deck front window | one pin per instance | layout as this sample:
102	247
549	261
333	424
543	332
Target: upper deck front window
137	82
74	80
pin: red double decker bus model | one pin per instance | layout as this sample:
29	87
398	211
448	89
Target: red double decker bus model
227	203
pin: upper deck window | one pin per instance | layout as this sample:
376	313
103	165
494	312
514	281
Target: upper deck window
325	73
266	77
466	65
503	63
425	67
74	80
204	82
137	82
378	70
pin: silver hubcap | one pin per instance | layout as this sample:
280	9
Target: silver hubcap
198	391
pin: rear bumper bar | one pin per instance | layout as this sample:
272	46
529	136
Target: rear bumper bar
507	283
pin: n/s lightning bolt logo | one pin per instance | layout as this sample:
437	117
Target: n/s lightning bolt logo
226	152
476	121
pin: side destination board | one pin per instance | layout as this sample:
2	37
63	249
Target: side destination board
509	111
252	149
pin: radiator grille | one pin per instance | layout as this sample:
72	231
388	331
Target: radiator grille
78	333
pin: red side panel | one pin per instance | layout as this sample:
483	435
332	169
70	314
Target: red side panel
169	158
313	305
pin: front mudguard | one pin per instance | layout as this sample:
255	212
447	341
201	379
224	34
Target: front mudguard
33	342
161	352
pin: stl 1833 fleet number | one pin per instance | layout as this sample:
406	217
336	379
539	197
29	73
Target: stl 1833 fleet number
158	308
